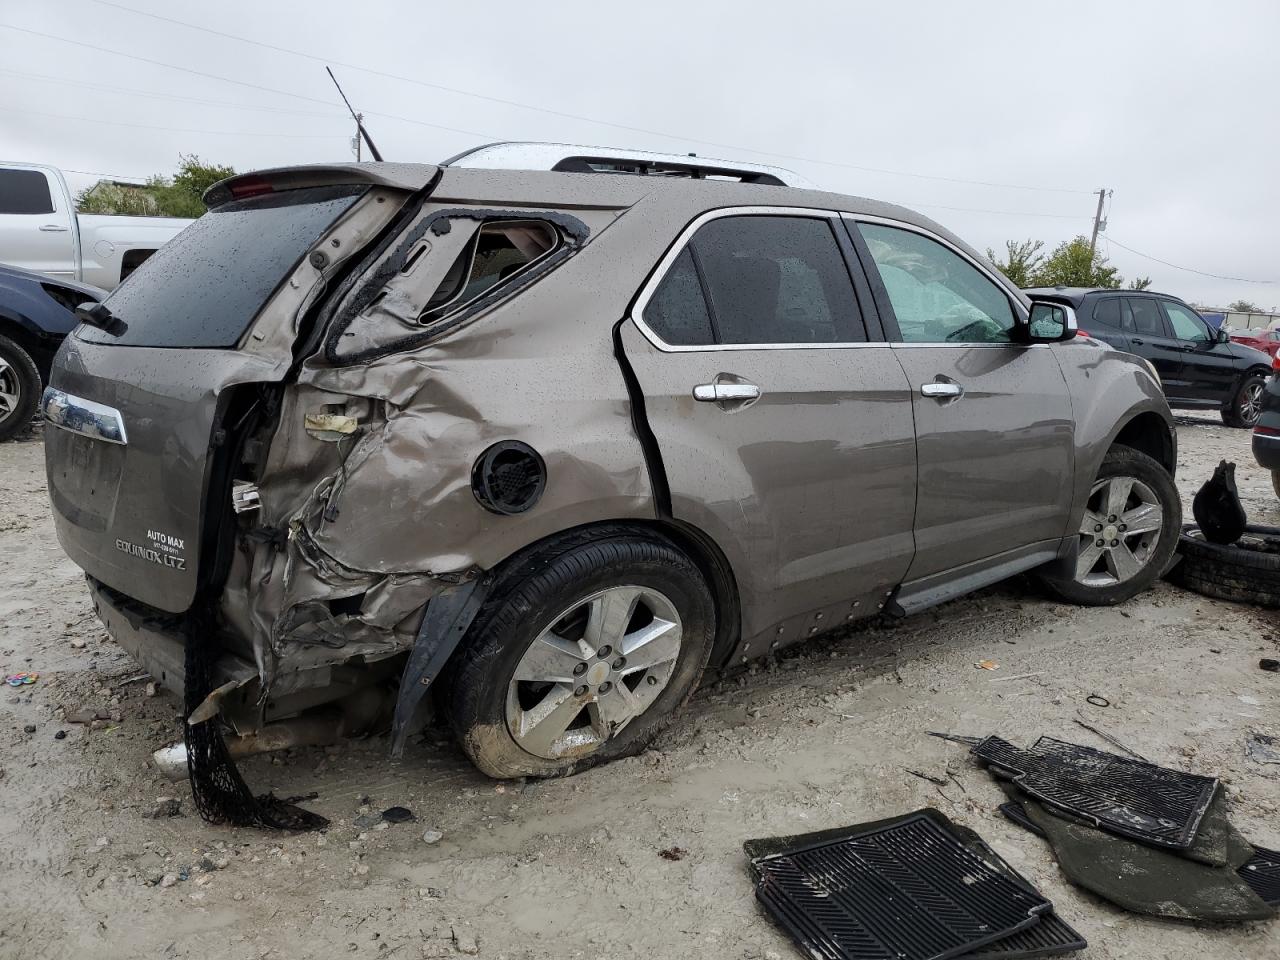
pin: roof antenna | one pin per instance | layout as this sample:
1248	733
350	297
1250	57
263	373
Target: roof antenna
357	117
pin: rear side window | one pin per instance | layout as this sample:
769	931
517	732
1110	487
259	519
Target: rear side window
498	252
205	286
937	295
1107	313
1146	317
24	191
678	311
758	280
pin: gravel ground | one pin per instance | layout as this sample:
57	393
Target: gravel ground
822	737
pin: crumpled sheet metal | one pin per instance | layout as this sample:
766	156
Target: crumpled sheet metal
387	514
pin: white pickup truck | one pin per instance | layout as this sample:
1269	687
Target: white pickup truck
41	231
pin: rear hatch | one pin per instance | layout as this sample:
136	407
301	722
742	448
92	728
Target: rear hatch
139	411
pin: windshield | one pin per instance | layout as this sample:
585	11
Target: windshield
204	287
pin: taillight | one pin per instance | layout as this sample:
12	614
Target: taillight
1083	333
1275	362
1268	431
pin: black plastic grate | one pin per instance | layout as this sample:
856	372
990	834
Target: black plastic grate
1048	938
1153	804
1262	874
908	890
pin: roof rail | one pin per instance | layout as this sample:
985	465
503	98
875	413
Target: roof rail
575	158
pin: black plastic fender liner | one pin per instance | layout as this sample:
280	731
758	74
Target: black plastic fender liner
448	617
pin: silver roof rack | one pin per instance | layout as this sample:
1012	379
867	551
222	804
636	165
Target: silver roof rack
576	158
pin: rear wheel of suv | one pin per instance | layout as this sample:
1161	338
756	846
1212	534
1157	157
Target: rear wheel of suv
1128	533
19	388
581	655
1246	405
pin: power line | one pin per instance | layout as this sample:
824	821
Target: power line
242	83
134	92
1216	276
148	126
1003	213
104	176
571	116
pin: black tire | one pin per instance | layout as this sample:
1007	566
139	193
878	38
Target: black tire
17	366
1123	461
530	594
1233	414
1275	481
1245	574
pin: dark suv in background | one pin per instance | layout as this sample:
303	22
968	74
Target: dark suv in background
1200	366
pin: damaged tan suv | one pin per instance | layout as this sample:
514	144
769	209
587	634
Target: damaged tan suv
555	444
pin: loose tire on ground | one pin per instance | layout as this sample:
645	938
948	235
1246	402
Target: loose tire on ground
1247	571
1246	403
531	595
20	380
1091	590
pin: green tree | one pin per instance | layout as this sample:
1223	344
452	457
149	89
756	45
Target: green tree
1021	262
1071	266
176	196
1244	306
1140	283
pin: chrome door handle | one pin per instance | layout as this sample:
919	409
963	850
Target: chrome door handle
52	228
720	392
939	390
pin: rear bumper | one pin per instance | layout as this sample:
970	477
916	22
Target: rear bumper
1266	450
155	640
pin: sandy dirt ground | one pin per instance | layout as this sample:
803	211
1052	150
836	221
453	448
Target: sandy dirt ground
822	737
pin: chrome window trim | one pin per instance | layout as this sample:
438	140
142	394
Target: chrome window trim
677	248
1020	314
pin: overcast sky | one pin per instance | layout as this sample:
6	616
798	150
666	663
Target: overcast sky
1173	106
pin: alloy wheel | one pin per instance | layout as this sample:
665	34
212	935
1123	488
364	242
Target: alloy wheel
597	667
10	390
1251	403
1118	535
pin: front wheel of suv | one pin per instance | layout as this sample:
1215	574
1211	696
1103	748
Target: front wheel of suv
581	655
19	388
1246	405
1128	533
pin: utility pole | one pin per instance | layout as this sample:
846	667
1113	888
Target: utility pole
1098	224
358	138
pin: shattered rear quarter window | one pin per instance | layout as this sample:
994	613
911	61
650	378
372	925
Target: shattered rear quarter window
498	252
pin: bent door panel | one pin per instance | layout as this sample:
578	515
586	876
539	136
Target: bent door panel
809	489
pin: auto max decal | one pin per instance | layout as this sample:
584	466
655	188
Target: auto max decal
165	550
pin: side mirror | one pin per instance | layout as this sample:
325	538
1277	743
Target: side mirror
1221	336
1050	323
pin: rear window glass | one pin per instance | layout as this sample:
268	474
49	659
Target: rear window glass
24	191
205	286
1146	317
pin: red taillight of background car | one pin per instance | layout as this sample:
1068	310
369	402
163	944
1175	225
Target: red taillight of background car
1267	431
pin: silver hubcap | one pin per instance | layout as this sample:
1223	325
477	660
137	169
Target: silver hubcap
600	664
10	389
1251	403
1119	533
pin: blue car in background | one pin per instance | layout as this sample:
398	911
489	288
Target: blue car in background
36	314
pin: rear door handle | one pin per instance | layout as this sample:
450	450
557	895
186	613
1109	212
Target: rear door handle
721	392
939	390
1136	342
52	228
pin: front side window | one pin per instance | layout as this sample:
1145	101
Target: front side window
758	279
1186	325
1146	317
937	295
24	191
